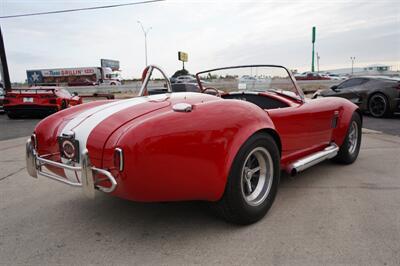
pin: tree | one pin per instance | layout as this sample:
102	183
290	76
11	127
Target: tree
181	72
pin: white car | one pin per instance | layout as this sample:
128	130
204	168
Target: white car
185	79
336	77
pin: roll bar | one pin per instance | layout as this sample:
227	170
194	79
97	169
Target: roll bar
146	78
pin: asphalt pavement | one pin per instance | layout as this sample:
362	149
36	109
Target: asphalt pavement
329	214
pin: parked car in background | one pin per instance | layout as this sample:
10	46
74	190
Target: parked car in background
38	101
184	79
335	76
311	76
176	87
81	82
378	95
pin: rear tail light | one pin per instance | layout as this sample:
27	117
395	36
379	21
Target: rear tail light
119	159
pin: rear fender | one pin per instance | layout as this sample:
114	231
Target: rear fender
183	156
346	111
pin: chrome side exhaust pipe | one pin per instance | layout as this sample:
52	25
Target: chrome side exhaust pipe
313	159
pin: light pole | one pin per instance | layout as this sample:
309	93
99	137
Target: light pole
145	40
318	57
352	58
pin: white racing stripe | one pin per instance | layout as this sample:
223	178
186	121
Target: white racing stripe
84	123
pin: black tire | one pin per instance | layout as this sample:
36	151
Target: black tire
64	105
347	152
378	105
234	206
12	115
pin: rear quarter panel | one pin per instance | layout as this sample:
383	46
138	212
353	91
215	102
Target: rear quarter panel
173	156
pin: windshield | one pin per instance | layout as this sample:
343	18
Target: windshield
250	78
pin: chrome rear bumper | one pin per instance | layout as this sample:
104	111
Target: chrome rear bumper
35	163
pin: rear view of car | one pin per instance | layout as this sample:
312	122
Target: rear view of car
37	101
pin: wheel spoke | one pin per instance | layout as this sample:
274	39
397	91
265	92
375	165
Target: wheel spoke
248	185
254	170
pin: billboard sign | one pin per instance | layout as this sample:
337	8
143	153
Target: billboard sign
113	64
45	75
182	56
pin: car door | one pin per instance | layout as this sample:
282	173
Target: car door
349	89
303	128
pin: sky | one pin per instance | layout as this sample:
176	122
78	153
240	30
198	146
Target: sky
213	33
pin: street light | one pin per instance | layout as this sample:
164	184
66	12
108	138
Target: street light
352	58
145	39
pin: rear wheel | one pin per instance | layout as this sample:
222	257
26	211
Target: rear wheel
350	148
253	181
378	105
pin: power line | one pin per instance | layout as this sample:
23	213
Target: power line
80	9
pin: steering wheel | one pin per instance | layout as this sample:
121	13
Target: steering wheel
212	91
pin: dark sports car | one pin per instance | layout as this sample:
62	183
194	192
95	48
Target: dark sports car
380	96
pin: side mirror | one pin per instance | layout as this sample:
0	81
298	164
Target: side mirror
335	88
75	93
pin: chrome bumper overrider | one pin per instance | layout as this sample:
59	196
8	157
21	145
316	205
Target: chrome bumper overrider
35	163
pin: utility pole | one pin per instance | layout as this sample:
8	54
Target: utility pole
5	76
352	58
145	39
318	57
313	41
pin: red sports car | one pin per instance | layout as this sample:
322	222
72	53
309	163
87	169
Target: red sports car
226	145
38	101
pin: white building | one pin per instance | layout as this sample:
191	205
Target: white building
371	70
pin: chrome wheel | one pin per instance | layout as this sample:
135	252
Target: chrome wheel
257	176
353	137
377	105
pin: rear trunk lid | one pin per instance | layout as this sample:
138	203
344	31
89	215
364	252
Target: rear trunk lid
29	96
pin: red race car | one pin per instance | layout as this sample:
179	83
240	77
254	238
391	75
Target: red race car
38	101
226	145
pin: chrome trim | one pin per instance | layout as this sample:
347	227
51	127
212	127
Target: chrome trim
182	107
121	158
30	157
69	134
245	92
147	79
87	178
35	163
33	136
313	159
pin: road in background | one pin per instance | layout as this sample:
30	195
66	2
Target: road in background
386	125
16	128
